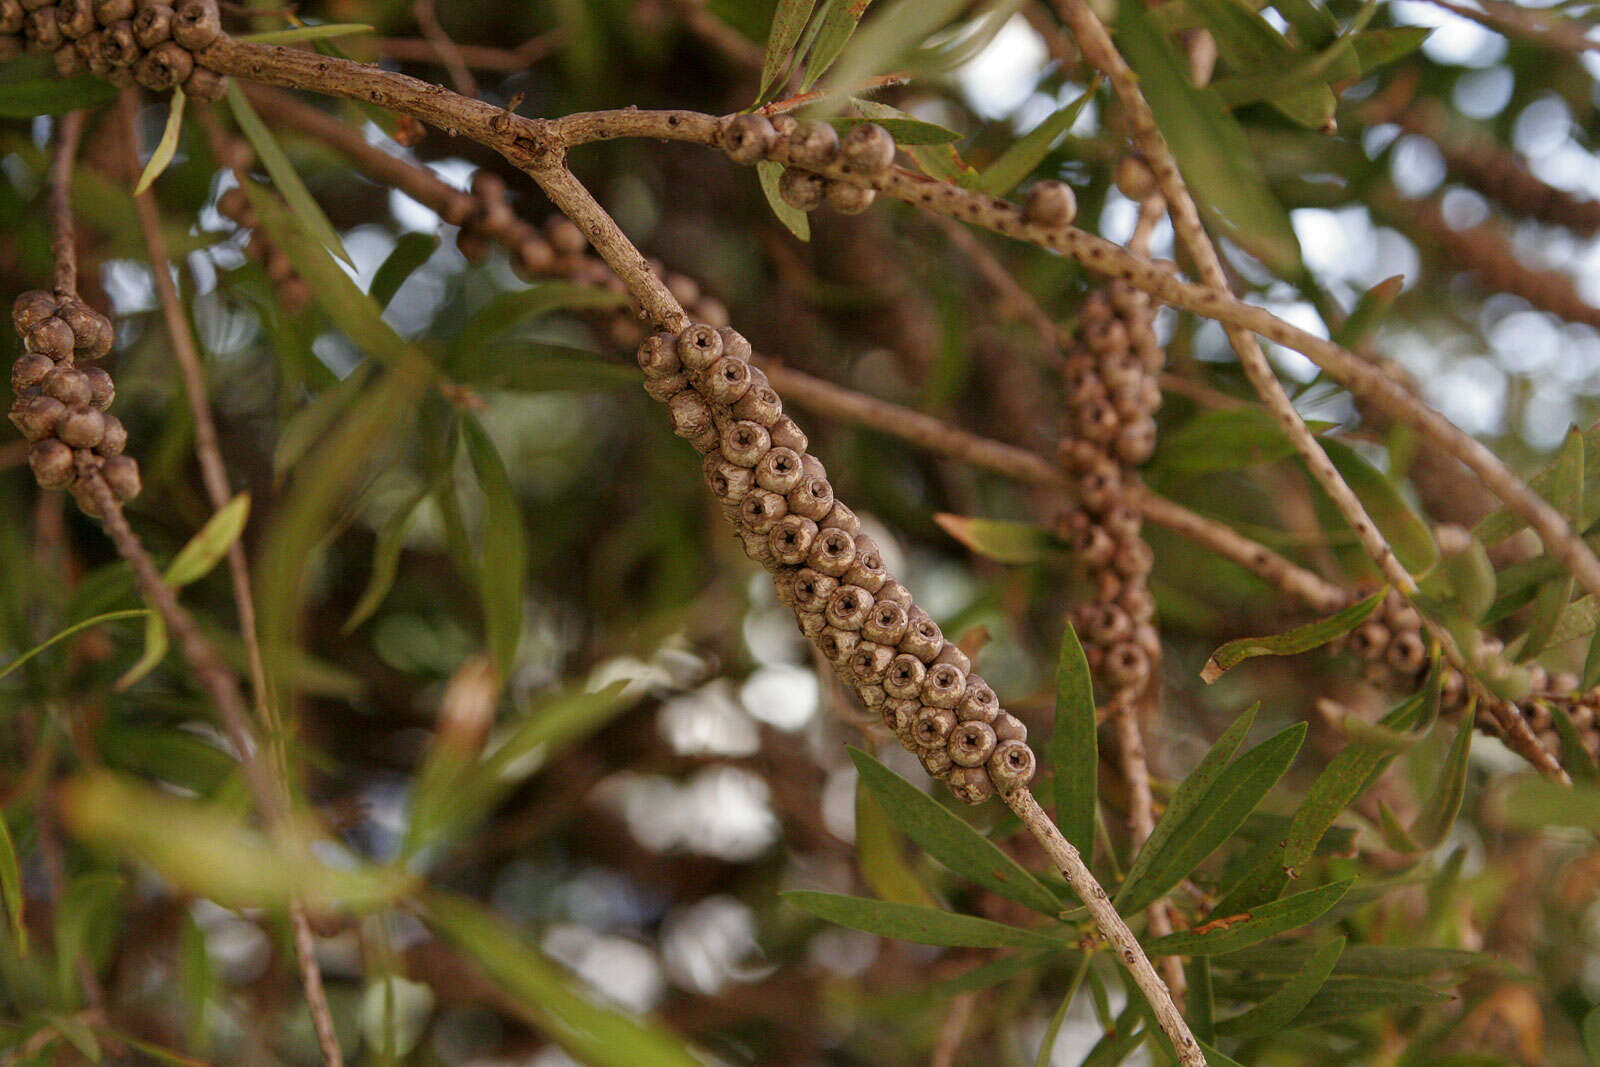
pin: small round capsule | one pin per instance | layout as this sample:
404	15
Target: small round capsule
196	23
760	511
31	309
801	189
778	471
785	434
923	638
791	539
37	416
847	199
1007	727
812	590
837	645
53	338
848	607
832	553
944	686
904	677
813	144
813	498
115	439
932	726
972	743
867	149
1011	766
745	443
727	380
122	475
978	703
748	138
82	427
30	370
886	623
869	663
971	785
1050	203
52	463
698	346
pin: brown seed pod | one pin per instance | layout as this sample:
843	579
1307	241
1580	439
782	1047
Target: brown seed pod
41	31
84	501
37	416
904	677
118	46
1050	203
978	703
691	419
82	427
52	463
1370	639
813	144
657	355
122	475
813	498
783	582
30	370
12	16
886	623
867	149
785	434
1408	652
1133	559
533	253
952	655
935	761
730	482
971	743
747	138
699	346
53	337
760	404
756	546
662	390
745	443
1011	766
870	662
68	385
791	539
801	189
760	511
31	309
811	623
811	467
899	714
1126	666
971	785
923	638
932	726
872	695
108	11
812	590
837	645
832	553
1134	179
1007	727
726	381
895	593
75	18
734	343
1136	442
847	199
848	607
779	471
197	23
867	571
115	439
92	335
153	25
944	686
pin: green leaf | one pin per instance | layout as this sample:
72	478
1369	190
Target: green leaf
1248	42
924	926
836	23
1342	998
1378	961
110	616
85	928
1190	794
410	252
788	19
1591	1036
1228	439
885	43
532	366
503	554
939	161
1534	802
879	854
1370	310
950	839
78	1034
167	754
798	222
207	547
53	96
1001	540
206	850
509	310
1575	758
1556	484
1313	23
307	33
1374	48
11	888
1405	531
1221	935
906	131
1222	810
306	212
548	998
386	558
1279	1010
1201	999
1439	811
197	980
1073	747
1210	147
1019	160
167	147
1293	642
1215	1058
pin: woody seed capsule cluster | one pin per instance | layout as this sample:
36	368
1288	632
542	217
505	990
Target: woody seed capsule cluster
781	504
61	407
1111	398
1393	649
866	149
126	42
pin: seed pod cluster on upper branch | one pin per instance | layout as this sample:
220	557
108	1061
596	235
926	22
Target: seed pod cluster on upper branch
778	499
61	407
866	149
127	42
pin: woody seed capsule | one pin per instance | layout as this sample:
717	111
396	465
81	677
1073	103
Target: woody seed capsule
936	761
691	417
847	199
923	638
895	593
31	309
52	464
970	785
745	443
779	471
37	416
870	662
1007	727
814	144
812	590
838	645
1126	666
699	346
832	553
165	65
730	482
972	743
12	16
886	623
813	498
785	434
867	571
1407	652
801	189
748	138
899	714
152	25
848	607
867	149
82	428
69	386
53	337
30	370
811	623
761	404
932	727
108	11
658	356
41	31
791	540
663	390
115	439
840	517
75	18
978	704
122	475
197	24
755	546
944	686
727	380
761	510
904	677
1051	203
1011	766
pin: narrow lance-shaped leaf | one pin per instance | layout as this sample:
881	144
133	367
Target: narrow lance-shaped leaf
1400	525
1228	933
1235	794
1279	1010
1553	483
507	310
110	616
1292	642
797	221
880	855
1249	42
836	24
906	131
11	888
1575	758
882	44
1190	793
1227	440
548	998
1019	160
1532	802
1439	811
949	839
788	19
503	560
386	558
284	178
53	96
923	926
167	147
410	252
1073	749
1342	998
1001	540
1369	312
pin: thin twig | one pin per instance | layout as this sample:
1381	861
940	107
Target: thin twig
63	240
1514	20
475	56
449	53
